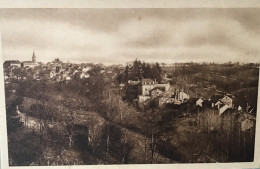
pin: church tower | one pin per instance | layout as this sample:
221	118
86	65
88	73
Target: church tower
34	57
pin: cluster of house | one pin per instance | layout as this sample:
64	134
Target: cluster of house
222	103
55	70
17	63
60	71
149	89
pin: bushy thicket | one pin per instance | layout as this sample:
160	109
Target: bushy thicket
225	136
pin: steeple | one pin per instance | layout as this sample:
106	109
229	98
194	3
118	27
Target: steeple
34	57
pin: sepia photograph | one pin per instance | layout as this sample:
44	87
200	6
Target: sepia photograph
96	86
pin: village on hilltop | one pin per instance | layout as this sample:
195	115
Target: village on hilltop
146	88
148	108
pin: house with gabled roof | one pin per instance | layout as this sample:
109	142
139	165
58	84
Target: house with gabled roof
218	104
228	101
199	102
146	86
149	88
223	109
12	63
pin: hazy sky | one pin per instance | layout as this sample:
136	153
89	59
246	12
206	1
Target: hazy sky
119	35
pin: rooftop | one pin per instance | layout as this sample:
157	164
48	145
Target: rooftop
13	61
147	80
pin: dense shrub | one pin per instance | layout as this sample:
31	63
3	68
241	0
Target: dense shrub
224	135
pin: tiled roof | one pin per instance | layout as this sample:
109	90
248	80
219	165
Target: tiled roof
147	80
13	61
30	62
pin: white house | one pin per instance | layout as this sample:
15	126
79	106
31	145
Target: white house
223	109
199	102
228	101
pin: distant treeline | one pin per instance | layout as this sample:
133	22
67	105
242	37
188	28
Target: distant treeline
228	77
140	70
